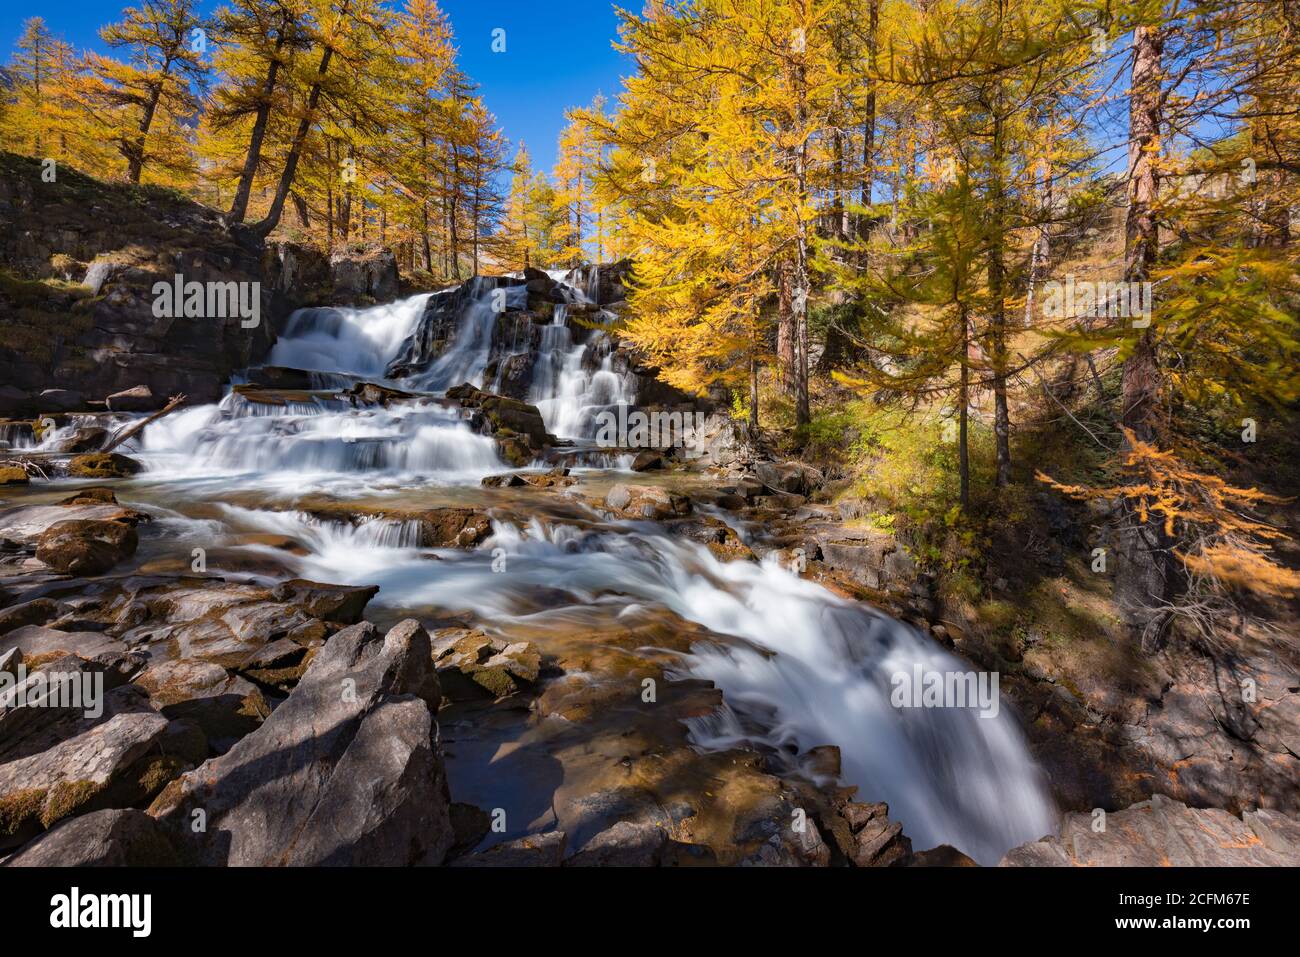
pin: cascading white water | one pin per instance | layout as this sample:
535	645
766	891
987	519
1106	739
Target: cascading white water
466	358
300	443
811	668
566	392
359	342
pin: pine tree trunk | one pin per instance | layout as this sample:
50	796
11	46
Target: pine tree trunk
785	329
1144	577
998	305
800	290
239	208
963	406
264	228
135	153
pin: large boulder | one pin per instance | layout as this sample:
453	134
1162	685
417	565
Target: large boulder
368	275
346	771
86	547
1165	833
96	753
121	837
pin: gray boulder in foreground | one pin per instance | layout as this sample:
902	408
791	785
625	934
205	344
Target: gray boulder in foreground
116	838
346	771
1164	833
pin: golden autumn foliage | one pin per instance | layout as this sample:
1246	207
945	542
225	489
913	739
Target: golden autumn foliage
1216	536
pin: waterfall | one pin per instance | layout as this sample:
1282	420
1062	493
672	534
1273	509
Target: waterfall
359	342
567	392
301	441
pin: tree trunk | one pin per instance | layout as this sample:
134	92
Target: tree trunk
264	228
1144	577
135	152
963	405
784	329
998	303
869	122
239	208
800	290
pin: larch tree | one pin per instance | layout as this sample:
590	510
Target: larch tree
164	42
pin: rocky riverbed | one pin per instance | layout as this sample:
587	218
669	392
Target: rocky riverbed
385	601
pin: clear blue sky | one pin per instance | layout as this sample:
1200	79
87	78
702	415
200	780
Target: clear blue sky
558	54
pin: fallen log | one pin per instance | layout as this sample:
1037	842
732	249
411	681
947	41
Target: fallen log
126	433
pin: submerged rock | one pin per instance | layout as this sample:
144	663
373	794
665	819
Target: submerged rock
471	664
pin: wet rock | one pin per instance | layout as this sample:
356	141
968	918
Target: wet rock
369	393
506	480
877	841
341	603
86	547
344	772
646	501
1166	833
453	527
226	707
11	475
648	461
35	612
91	496
27	523
121	837
626	844
103	465
536	850
138	398
471	664
945	855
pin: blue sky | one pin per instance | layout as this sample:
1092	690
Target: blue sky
557	54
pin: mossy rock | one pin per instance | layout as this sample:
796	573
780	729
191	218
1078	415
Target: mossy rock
19	812
103	465
13	475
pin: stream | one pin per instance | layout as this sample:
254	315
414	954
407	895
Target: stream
798	665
